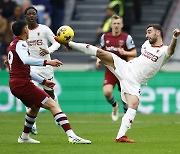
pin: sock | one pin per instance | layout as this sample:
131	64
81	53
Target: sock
125	106
29	122
61	120
126	122
86	48
111	101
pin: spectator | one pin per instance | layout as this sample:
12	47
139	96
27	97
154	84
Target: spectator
44	10
69	10
57	14
7	7
3	27
105	27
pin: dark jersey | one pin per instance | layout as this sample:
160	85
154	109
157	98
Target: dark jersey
114	43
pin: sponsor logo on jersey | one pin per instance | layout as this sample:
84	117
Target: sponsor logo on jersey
112	48
150	56
107	41
35	42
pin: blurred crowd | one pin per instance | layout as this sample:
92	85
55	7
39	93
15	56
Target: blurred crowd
130	10
50	13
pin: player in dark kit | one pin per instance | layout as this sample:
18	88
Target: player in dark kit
123	46
33	97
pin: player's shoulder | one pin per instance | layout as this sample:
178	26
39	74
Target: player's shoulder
22	43
124	34
41	26
108	34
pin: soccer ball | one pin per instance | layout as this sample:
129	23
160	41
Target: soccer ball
65	34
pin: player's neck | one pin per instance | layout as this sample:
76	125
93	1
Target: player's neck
23	37
116	33
32	26
158	43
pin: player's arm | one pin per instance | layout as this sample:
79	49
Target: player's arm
172	45
41	80
54	44
22	51
131	53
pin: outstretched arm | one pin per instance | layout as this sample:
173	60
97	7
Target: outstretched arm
172	45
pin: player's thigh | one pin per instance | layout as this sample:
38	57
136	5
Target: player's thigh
133	101
105	57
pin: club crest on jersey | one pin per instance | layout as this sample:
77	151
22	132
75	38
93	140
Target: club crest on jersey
107	41
121	43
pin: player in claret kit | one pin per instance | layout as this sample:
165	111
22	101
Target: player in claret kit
123	46
39	38
136	72
33	97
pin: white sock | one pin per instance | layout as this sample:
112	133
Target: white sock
86	48
25	135
126	122
70	133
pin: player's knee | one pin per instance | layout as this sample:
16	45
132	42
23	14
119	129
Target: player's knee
107	93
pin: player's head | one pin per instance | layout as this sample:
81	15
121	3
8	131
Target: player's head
154	32
31	15
116	23
19	28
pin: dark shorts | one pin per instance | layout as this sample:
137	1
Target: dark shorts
111	79
28	93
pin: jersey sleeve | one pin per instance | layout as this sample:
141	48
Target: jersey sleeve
22	51
50	37
102	43
130	43
36	77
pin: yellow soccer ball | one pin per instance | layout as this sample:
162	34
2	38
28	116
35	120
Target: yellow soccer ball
65	34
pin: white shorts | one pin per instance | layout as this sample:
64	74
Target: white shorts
122	72
46	72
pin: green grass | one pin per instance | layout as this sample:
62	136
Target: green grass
154	134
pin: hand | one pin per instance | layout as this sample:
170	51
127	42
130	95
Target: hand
122	51
49	84
54	62
176	32
98	63
65	44
6	64
43	52
56	39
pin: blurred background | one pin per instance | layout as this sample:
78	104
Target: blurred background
79	83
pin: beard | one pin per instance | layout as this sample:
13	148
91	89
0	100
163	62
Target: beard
153	40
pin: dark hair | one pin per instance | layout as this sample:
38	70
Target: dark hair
18	26
157	27
31	7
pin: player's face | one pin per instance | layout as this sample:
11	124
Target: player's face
117	25
151	35
31	16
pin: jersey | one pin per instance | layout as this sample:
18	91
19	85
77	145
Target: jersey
38	38
113	44
17	69
149	62
20	79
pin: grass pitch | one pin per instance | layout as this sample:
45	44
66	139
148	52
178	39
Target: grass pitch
154	134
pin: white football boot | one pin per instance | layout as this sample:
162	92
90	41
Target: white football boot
78	140
29	140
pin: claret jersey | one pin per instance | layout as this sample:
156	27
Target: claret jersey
114	43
